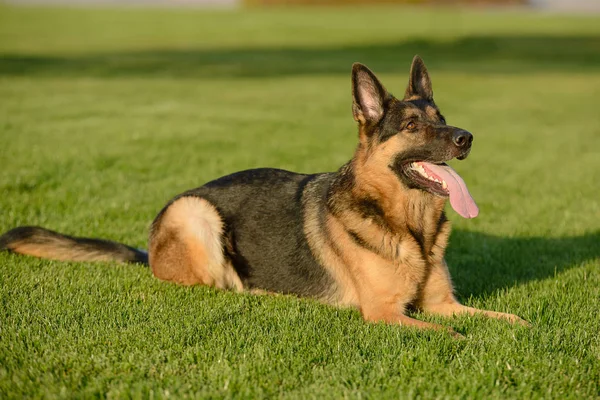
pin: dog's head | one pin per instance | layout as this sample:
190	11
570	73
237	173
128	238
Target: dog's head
410	137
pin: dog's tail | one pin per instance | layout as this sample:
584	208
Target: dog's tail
44	243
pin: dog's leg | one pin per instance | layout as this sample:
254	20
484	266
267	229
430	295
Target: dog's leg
437	298
384	299
186	246
390	313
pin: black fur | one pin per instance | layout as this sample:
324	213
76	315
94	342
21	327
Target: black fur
263	213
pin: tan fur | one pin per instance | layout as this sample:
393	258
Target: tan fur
432	112
60	250
412	97
379	287
404	210
438	297
186	247
394	272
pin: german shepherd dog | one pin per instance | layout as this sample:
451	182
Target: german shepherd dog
371	235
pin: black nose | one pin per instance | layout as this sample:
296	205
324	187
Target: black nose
462	139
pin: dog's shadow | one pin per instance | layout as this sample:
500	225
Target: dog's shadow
481	263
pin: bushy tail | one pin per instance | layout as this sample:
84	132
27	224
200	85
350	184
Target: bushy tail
44	243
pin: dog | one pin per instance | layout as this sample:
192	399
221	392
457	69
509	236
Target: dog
371	235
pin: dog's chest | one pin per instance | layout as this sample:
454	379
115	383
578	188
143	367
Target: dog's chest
385	265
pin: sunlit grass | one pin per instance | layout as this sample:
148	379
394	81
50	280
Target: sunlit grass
106	114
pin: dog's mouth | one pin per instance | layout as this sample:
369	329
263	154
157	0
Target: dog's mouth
441	180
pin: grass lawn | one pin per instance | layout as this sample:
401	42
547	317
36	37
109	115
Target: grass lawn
106	114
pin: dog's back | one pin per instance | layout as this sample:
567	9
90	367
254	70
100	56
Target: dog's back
260	218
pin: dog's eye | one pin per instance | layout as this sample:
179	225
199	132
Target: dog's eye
410	126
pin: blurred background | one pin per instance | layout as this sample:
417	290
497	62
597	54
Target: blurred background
581	5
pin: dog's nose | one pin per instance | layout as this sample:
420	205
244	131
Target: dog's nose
462	139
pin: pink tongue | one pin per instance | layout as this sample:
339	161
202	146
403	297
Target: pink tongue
460	198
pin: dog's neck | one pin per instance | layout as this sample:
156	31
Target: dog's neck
386	201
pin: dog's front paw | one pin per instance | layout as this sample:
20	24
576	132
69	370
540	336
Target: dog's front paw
515	319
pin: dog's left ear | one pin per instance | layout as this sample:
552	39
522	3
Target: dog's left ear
419	84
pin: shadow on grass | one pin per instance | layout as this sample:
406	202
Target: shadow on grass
481	264
482	54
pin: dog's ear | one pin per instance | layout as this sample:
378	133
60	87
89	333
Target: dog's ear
419	84
368	95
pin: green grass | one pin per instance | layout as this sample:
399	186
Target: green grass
106	114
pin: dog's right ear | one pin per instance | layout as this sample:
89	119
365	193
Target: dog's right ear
368	95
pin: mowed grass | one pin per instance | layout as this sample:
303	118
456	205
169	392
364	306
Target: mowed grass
106	114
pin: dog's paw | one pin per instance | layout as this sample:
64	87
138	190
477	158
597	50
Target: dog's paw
515	319
456	335
522	322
